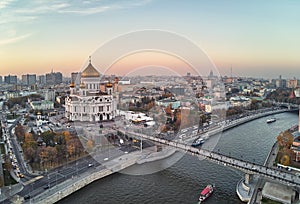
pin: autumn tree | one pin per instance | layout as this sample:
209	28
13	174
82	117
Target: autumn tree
285	139
52	155
29	141
7	164
71	149
44	156
177	120
31	154
61	152
285	160
90	145
67	136
168	110
20	132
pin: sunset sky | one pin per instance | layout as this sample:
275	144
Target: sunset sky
256	38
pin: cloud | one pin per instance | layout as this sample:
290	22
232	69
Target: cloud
87	7
89	11
14	14
17	19
5	3
14	39
42	9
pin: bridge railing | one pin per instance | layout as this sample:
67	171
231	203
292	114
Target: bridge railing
225	160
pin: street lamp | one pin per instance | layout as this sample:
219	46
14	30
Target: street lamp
56	179
48	180
30	194
67	160
141	141
76	168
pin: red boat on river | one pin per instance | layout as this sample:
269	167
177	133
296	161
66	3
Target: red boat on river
206	192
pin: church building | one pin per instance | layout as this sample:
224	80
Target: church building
93	100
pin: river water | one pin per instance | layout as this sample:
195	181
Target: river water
182	182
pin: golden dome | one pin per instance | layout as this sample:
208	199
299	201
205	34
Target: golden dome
82	85
109	85
72	85
90	71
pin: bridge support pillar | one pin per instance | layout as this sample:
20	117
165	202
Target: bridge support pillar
248	178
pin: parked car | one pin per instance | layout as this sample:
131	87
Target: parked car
47	186
27	197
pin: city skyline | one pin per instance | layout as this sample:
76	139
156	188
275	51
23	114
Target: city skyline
254	38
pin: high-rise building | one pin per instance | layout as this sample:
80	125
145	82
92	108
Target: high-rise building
0	79
280	83
42	79
54	78
10	79
29	79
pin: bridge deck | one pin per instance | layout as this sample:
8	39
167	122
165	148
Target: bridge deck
245	166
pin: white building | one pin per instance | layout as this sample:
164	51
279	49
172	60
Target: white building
240	101
42	105
137	117
93	100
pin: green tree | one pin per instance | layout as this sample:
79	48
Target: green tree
48	138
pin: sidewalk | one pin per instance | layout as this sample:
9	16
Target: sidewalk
71	185
10	191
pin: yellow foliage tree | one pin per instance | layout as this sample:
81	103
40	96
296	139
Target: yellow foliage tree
285	160
90	145
67	136
29	141
285	139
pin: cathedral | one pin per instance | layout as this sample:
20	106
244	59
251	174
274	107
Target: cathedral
93	100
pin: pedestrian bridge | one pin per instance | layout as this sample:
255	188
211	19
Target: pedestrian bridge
248	167
287	105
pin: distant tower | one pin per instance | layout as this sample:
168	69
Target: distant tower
109	88
82	89
39	121
72	88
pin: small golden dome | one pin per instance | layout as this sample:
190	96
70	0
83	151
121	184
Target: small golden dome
72	85
109	85
82	85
